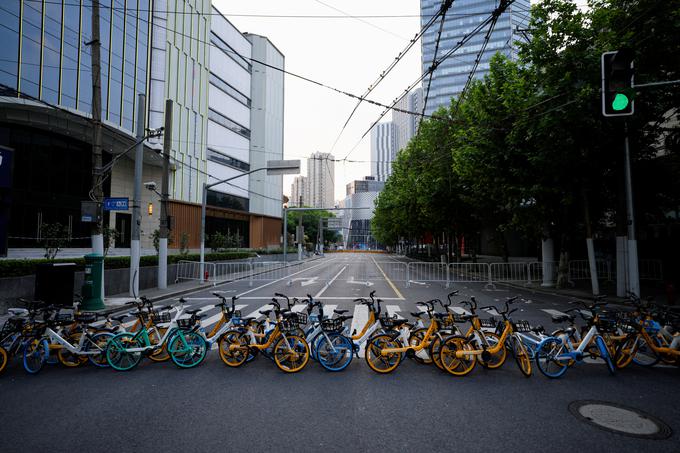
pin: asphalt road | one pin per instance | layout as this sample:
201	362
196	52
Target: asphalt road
259	408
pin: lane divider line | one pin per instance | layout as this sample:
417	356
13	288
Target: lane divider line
394	288
330	282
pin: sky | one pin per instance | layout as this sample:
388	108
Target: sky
346	53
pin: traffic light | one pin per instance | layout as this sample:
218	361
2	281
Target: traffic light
617	83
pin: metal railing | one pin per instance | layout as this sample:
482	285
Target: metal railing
191	270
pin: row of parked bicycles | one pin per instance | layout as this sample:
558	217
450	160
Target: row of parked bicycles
293	331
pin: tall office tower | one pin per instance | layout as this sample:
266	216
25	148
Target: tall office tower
406	124
321	178
451	75
383	150
299	190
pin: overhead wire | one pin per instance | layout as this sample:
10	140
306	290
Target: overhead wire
446	4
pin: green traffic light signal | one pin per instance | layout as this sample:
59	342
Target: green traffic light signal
620	102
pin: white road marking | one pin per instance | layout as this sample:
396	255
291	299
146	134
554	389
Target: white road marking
553	312
310	281
354	282
283	278
417	283
330	282
255	314
324	298
459	310
208	322
394	309
359	319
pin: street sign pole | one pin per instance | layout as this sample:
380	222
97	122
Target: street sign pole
135	248
633	275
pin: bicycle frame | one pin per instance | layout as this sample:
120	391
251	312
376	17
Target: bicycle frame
507	331
143	334
424	343
577	354
55	337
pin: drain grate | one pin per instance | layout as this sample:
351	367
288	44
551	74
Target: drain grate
620	419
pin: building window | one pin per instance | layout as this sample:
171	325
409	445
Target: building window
229	161
230	52
225	200
230	90
229	124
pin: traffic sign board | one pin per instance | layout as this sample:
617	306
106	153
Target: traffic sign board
116	204
334	223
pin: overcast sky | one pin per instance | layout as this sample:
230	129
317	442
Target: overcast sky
345	53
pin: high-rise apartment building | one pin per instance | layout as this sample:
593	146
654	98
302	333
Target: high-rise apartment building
299	192
451	75
227	117
406	124
383	149
321	178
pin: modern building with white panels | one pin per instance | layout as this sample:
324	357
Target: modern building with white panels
266	116
356	222
383	150
406	124
450	77
182	50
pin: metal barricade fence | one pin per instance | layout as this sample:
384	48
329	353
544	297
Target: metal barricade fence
225	270
651	270
268	270
393	270
421	272
191	270
468	273
580	270
508	272
537	270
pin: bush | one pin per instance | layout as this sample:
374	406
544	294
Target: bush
18	268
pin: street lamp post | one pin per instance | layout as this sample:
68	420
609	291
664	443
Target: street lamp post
274	167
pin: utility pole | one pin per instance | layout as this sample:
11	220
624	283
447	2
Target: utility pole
97	181
633	276
300	233
135	248
164	232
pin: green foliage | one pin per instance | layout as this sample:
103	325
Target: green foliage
184	243
111	235
220	241
156	237
527	148
53	237
310	222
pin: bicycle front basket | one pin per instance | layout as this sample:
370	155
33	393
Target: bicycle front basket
187	323
299	318
12	325
159	318
388	322
489	323
457	318
521	326
287	326
331	325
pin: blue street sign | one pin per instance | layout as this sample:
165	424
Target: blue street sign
116	204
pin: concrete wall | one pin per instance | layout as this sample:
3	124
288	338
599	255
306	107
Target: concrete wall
116	281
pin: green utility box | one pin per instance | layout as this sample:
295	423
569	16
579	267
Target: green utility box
92	284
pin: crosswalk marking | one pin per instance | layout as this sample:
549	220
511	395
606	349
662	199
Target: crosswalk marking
208	322
553	312
255	314
358	321
459	310
394	309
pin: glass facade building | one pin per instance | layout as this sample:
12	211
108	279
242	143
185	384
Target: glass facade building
45	54
450	77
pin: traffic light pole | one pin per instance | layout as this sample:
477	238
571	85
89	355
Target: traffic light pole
633	273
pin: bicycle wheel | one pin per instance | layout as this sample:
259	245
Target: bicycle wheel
456	364
4	358
98	343
233	348
644	355
519	350
625	352
334	352
435	348
382	363
604	353
117	354
488	341
423	356
547	361
291	353
35	355
187	349
160	354
68	358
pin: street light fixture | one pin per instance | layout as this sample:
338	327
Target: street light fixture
274	167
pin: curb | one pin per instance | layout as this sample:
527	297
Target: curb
568	294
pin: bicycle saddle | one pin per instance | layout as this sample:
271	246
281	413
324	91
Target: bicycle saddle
339	312
417	314
193	311
264	312
119	318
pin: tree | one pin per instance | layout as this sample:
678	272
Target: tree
53	237
310	222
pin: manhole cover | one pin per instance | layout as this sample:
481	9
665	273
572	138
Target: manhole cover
620	419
